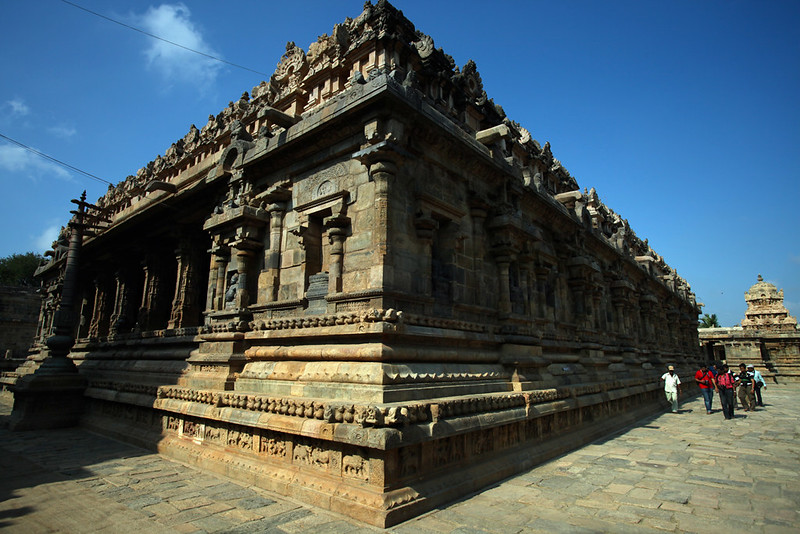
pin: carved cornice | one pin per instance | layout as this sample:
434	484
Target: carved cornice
390	415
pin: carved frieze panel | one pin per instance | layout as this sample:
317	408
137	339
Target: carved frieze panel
240	438
274	445
356	466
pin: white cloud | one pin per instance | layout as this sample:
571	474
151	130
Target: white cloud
172	22
64	132
18	160
44	241
18	107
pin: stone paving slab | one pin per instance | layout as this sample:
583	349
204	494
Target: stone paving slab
685	472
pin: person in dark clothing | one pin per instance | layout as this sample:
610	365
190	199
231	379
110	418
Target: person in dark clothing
725	384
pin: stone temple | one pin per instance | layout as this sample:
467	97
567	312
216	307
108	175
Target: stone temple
768	336
363	286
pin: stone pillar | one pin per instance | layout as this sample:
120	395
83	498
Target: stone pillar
152	314
525	289
211	290
185	306
244	260
336	235
122	317
541	274
52	396
143	315
221	257
383	173
478	213
504	289
597	294
272	255
100	316
86	313
381	156
577	287
217	270
426	226
119	302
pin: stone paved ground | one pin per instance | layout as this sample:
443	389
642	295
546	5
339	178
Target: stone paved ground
686	472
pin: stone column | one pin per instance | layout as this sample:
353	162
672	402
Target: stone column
272	256
524	274
119	302
211	290
336	237
143	316
217	270
122	320
244	259
597	312
383	173
541	274
426	226
100	316
152	313
82	330
185	308
222	257
382	156
478	213
504	289
52	395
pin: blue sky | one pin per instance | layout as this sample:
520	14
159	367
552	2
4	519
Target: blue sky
683	115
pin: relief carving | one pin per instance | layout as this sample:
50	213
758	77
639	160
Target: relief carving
355	466
273	447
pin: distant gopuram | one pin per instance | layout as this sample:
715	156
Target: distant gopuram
363	286
768	337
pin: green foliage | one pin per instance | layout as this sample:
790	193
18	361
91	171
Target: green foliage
18	269
709	321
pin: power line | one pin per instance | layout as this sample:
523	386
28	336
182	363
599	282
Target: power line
165	40
54	160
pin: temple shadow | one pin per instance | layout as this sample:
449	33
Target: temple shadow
33	458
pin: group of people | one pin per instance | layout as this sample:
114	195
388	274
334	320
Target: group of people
748	383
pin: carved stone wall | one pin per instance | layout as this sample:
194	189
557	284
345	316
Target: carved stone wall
19	313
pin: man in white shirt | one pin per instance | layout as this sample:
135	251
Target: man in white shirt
672	387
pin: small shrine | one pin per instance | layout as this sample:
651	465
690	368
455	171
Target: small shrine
765	309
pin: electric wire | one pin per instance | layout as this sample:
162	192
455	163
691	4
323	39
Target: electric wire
164	40
54	160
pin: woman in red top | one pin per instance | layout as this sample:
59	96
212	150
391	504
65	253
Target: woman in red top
705	379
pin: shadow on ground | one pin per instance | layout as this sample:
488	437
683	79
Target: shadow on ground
61	455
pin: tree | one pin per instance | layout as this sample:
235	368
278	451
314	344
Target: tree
709	321
18	269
